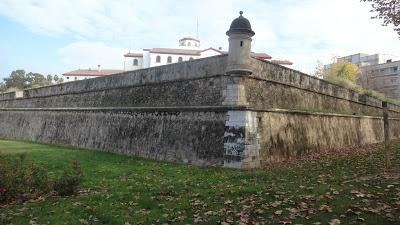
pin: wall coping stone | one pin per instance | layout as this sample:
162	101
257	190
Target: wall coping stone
113	88
199	68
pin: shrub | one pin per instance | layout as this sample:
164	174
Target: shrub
358	89
344	83
21	181
374	94
67	184
69	181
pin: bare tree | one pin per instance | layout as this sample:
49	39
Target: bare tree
319	70
388	10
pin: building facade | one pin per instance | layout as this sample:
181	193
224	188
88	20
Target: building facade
379	72
363	59
83	74
384	78
188	49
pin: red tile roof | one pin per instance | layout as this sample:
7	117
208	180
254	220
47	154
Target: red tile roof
92	72
260	55
282	62
175	51
131	54
219	51
253	54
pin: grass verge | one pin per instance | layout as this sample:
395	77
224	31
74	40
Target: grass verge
125	190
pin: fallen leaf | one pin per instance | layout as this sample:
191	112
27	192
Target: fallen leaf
334	222
325	208
83	221
285	220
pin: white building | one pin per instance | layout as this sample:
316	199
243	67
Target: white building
82	74
188	49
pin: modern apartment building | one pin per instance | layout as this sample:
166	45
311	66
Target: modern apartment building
384	78
380	72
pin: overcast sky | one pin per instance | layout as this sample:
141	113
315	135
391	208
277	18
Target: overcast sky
56	36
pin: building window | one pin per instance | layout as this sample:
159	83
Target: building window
158	59
188	43
180	59
191	58
67	78
169	59
135	62
241	43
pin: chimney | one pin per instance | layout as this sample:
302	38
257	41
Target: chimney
98	68
219	48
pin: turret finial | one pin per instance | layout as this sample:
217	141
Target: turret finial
241	13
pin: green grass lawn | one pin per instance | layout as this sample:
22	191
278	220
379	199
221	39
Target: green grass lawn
127	190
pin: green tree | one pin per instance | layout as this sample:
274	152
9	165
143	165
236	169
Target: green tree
49	78
3	87
57	79
39	79
17	79
388	10
36	80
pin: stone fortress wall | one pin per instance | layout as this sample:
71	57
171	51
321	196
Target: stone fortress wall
229	110
164	113
194	113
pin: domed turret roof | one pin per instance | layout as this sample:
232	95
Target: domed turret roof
240	24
